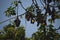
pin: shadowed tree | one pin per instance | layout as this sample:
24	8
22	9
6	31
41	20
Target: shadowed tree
12	33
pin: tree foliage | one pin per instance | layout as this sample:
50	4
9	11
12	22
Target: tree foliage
34	14
12	33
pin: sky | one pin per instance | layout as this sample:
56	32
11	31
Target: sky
30	28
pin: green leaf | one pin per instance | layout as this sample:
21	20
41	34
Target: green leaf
57	17
41	28
51	25
50	20
15	3
10	11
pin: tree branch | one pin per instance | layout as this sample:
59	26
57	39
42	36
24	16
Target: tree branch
12	18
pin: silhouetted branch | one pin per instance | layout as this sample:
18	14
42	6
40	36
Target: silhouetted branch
22	5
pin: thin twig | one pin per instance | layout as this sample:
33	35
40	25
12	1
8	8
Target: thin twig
22	5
